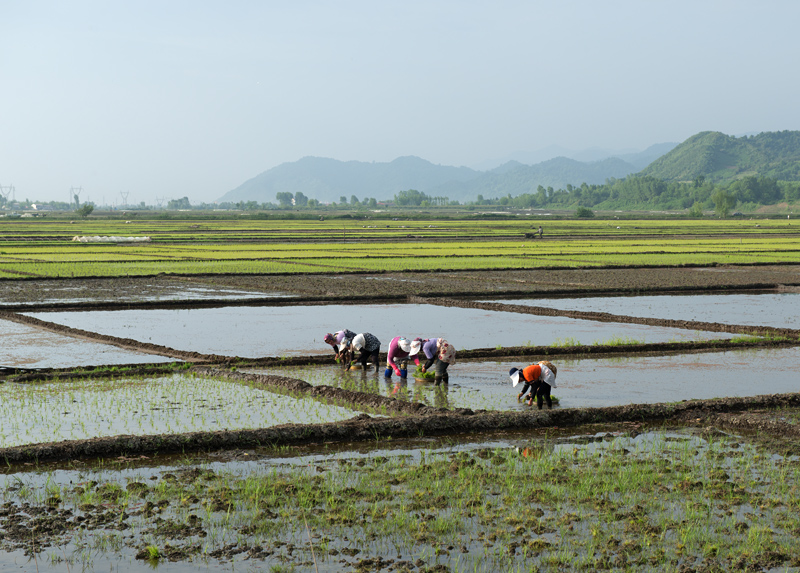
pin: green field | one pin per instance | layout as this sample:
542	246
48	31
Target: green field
46	249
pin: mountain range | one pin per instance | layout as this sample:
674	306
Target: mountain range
713	155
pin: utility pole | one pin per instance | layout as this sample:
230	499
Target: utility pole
74	195
124	195
8	190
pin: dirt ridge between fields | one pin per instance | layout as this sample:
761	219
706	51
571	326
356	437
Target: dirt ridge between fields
364	428
298	300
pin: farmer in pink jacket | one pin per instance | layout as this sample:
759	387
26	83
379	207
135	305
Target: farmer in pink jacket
397	357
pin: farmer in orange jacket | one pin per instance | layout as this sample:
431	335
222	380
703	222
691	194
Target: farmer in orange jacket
540	378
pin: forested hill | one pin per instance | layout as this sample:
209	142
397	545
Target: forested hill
723	158
515	178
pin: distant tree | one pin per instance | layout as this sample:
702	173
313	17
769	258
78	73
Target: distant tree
284	198
85	210
584	212
182	203
373	203
354	200
313	203
343	200
412	197
300	200
723	202
696	210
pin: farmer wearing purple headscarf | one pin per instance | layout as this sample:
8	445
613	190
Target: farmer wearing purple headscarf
336	339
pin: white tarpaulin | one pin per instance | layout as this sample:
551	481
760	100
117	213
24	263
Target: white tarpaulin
98	239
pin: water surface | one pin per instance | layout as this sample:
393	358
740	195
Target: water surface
29	347
585	382
298	330
779	310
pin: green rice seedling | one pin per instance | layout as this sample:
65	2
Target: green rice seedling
619	341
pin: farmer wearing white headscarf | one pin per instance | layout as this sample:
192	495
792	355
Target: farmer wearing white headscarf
369	346
397	357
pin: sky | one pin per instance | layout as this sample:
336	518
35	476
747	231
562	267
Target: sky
170	98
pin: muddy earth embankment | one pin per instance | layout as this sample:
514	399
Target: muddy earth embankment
139	292
395	420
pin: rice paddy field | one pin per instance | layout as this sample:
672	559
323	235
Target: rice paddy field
85	409
46	250
645	499
270	473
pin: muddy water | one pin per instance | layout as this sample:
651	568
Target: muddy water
587	382
47	292
779	310
479	543
298	330
27	347
76	410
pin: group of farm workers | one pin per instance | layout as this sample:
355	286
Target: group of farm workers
438	353
539	378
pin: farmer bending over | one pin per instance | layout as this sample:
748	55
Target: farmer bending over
369	346
441	352
397	357
540	378
336	339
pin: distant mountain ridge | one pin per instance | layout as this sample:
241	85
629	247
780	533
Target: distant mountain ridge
327	180
723	158
515	178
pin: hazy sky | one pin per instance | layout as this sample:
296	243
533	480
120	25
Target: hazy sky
191	98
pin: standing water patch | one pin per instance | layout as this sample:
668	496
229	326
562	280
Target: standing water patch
588	382
28	347
777	310
298	330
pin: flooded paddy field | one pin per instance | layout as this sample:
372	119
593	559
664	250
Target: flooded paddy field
298	330
433	491
83	409
581	383
626	498
28	347
765	309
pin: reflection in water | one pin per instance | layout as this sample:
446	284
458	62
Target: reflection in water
768	309
592	382
298	330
